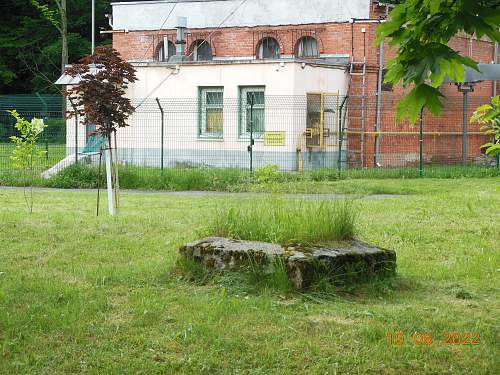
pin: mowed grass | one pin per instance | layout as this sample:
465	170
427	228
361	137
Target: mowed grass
80	294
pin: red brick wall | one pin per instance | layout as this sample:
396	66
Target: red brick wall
334	38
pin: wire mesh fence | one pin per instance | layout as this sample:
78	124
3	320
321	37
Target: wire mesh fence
317	131
379	139
53	139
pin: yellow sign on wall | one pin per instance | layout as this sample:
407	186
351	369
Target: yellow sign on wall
274	138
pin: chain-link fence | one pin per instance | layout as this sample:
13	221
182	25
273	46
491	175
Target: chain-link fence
375	138
295	133
53	139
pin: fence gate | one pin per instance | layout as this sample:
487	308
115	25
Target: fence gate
322	120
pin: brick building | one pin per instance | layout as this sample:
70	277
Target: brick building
316	51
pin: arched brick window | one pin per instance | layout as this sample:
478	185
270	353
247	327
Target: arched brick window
307	47
163	54
268	48
201	51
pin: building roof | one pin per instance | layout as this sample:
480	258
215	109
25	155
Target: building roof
151	15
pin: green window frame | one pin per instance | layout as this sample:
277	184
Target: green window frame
259	111
211	112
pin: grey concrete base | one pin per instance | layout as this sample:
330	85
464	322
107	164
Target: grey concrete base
350	261
287	161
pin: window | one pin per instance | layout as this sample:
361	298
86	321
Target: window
307	47
211	107
252	118
202	51
165	54
269	48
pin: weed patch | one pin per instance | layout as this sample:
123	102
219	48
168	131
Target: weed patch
282	221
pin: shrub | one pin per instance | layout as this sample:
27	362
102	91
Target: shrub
267	174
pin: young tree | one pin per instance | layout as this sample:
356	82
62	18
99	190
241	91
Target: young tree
26	153
99	97
421	30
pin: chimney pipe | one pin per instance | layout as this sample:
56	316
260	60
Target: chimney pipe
180	43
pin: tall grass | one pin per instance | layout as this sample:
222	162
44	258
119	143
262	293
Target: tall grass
288	221
218	179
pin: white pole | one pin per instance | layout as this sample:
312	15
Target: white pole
109	183
93	26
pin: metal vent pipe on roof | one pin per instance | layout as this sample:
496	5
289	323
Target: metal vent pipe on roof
181	36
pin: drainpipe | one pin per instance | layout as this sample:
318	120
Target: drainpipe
378	125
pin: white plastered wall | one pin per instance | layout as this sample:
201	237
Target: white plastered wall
284	82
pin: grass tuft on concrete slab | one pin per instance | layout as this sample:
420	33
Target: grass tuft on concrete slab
283	221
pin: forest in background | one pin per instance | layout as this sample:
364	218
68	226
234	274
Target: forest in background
30	45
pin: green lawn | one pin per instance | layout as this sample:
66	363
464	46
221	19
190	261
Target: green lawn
80	294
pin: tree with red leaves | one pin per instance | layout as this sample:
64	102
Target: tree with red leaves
99	96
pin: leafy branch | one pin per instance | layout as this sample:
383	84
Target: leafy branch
421	30
49	14
489	116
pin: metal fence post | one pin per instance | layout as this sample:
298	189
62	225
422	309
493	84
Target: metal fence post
162	134
251	97
341	134
465	129
421	142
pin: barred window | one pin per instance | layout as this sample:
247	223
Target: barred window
211	108
252	117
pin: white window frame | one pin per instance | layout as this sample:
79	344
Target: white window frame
203	106
243	108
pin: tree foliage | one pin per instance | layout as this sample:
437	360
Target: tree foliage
421	30
489	116
30	45
26	153
100	95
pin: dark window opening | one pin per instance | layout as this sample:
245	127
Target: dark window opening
269	48
307	47
202	51
165	54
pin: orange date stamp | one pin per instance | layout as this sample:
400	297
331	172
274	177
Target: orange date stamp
428	338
